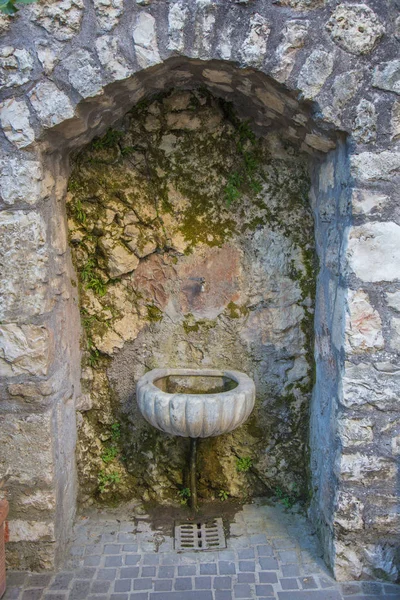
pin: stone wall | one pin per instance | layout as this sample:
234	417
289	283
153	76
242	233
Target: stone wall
325	73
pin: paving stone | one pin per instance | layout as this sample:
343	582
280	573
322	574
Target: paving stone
163	585
372	587
226	555
132	559
79	590
143	584
247	565
119	597
85	573
139	596
187	570
242	590
246	578
129	572
112	549
15	578
226	568
290	570
61	581
310	595
128	538
13	593
151	559
265	550
183	583
392	590
208	569
92	560
55	596
288	556
289	584
308	583
202	583
123	585
166	572
268	564
107	574
180	596
100	587
266	591
326	583
222	583
98	597
223	595
38	580
113	561
148	572
246	553
268	577
130	547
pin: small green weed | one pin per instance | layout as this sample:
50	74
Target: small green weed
154	314
184	495
9	7
115	432
244	464
106	480
79	213
109	454
288	500
223	495
91	280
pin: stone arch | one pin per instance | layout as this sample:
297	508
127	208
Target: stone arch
86	93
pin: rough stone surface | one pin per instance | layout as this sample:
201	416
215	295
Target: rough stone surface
255	45
23	181
368	166
14	117
315	72
23	349
15	66
51	104
365	123
145	40
364	325
387	76
294	37
374	251
111	58
108	13
84	74
371	385
61	19
355	28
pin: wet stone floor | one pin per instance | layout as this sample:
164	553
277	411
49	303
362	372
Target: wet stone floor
271	552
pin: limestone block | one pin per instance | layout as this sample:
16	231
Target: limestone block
395	334
111	58
26	449
270	99
294	37
381	559
23	181
204	27
301	5
23	350
254	47
14	117
119	259
16	65
393	300
24	274
365	124
32	391
84	74
225	37
387	76
109	342
368	166
315	72
38	500
363	325
375	385
348	511
360	468
145	40
51	104
355	432
365	202
61	19
355	28
374	251
128	327
48	56
176	22
108	13
395	124
31	531
217	76
318	142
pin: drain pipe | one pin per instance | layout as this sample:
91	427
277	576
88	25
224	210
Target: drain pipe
193	474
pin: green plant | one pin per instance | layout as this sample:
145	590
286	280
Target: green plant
91	280
8	7
115	432
105	480
110	139
184	495
79	213
154	314
109	454
288	500
223	495
244	464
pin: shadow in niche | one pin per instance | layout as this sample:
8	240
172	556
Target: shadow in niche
179	191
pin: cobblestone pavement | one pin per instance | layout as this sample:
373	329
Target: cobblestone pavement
271	552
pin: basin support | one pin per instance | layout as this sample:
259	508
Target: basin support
193	474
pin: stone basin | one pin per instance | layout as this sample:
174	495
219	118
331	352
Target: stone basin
196	403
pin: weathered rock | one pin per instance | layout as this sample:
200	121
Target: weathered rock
374	251
365	202
294	37
111	58
61	19
51	104
145	40
365	467
301	5
255	44
315	72
355	432
48	56
395	121
355	28
31	531
16	65
14	117
23	181
387	76
108	13
363	325
32	391
119	259
318	142
176	22
22	285
348	511
23	349
393	300
395	334
368	166
84	74
367	384
203	27
183	120
365	123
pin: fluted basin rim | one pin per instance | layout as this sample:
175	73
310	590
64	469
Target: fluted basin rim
195	415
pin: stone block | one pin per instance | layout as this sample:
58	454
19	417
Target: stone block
61	19
145	40
84	74
315	72
51	104
361	468
348	512
365	202
31	531
24	181
369	166
374	251
387	76
355	28
254	47
371	384
24	350
14	117
16	65
363	325
294	37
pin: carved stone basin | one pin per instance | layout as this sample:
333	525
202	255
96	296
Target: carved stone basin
195	403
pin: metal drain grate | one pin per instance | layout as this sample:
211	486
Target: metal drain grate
207	535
